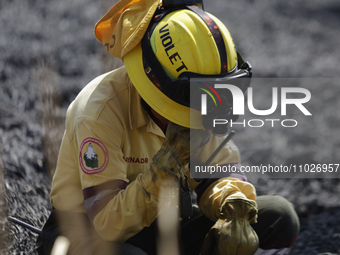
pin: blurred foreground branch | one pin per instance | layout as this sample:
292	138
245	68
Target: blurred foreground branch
51	115
3	207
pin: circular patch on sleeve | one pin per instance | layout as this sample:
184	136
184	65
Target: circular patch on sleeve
93	156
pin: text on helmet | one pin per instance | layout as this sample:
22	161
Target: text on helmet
168	45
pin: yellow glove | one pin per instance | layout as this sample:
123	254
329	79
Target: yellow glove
231	203
232	233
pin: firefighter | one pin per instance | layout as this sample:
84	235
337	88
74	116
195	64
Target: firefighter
130	136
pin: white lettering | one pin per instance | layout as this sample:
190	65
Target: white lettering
297	101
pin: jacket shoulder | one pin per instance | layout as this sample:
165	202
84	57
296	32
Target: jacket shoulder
95	95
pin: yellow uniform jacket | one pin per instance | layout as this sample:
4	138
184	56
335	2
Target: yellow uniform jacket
108	144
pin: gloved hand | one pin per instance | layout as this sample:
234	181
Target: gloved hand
172	157
232	233
180	143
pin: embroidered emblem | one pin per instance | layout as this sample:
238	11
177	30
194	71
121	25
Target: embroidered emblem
93	156
90	157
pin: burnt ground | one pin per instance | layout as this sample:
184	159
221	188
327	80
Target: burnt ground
48	52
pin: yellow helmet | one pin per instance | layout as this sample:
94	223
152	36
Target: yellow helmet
179	43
